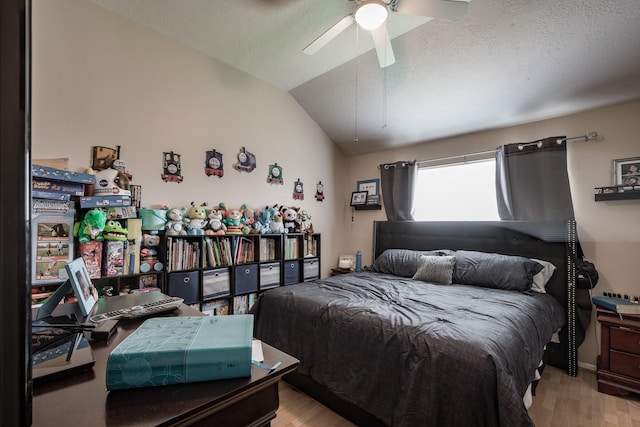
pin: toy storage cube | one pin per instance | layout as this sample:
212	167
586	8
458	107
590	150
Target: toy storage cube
216	283
311	269
269	275
246	278
184	285
291	272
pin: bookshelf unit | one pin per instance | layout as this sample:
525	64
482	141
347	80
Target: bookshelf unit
301	258
226	273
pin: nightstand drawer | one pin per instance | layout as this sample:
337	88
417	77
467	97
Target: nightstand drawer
625	364
625	340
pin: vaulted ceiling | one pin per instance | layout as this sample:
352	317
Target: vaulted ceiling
506	62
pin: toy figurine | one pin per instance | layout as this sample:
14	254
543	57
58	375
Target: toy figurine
91	227
175	222
216	226
196	219
149	254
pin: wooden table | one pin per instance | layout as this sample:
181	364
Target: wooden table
82	399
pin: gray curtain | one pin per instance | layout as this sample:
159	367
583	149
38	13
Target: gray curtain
397	182
532	182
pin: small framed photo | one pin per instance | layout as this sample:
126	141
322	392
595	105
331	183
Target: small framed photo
82	285
371	186
373	200
359	198
626	171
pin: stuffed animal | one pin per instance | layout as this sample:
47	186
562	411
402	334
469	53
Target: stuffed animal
263	221
175	222
276	225
216	226
149	254
113	230
233	219
196	219
289	217
304	219
249	220
91	227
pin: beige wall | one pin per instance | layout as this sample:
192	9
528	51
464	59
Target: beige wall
609	231
101	80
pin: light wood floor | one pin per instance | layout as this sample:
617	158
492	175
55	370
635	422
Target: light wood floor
560	401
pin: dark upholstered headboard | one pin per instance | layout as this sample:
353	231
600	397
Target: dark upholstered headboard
553	241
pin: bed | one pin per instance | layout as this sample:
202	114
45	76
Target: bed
383	348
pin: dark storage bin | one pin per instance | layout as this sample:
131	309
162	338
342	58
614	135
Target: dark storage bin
291	272
246	278
184	285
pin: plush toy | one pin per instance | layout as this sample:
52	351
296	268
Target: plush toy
216	226
263	221
289	217
113	230
276	225
175	222
304	219
90	228
249	220
234	220
196	219
149	254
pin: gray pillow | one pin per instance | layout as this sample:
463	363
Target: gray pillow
496	271
435	269
401	262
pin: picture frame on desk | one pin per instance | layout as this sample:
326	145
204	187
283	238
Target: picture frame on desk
82	286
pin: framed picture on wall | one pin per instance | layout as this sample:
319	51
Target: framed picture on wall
371	186
626	171
359	198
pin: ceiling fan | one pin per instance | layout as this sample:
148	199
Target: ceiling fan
372	15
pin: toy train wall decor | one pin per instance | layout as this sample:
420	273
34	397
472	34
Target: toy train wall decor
172	167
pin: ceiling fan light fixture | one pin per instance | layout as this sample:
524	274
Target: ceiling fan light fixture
371	14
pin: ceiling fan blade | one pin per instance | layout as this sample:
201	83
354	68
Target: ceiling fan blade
329	35
445	9
383	46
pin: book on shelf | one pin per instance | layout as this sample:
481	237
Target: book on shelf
186	349
617	305
244	250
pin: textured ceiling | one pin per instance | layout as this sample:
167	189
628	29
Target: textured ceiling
506	62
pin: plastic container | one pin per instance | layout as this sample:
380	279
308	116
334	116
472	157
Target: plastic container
359	261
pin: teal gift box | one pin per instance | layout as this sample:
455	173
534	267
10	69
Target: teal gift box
175	350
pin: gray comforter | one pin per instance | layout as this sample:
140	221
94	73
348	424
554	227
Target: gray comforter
414	353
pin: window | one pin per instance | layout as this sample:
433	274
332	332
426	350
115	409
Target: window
457	192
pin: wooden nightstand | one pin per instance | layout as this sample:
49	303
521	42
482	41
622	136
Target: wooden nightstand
619	360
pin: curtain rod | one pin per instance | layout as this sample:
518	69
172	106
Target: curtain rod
588	137
463	157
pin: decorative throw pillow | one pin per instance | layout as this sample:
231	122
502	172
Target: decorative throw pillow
401	262
496	271
541	279
436	269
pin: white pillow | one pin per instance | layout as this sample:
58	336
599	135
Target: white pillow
542	278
